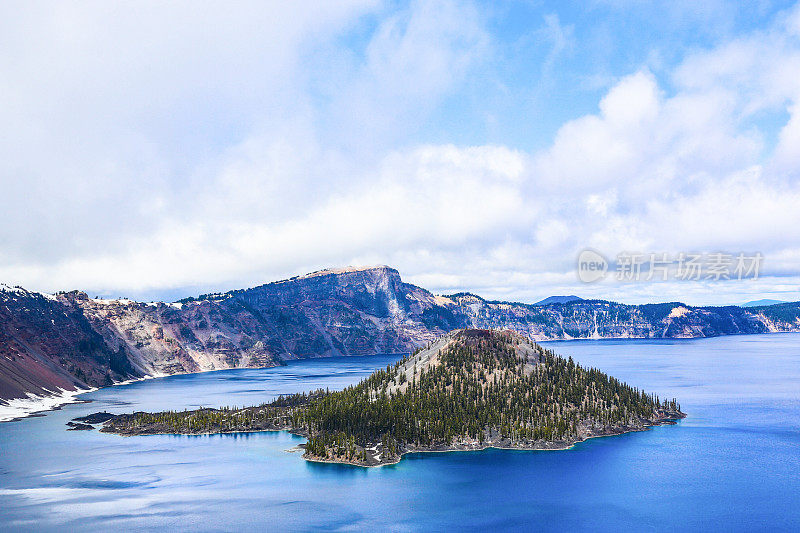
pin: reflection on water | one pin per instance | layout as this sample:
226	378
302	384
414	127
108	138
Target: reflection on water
733	464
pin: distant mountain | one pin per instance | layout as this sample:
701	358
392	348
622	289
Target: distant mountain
69	340
558	300
760	303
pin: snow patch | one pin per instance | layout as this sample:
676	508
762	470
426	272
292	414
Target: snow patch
114	301
20	291
343	270
22	407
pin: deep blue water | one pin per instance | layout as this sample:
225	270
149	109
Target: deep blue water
733	465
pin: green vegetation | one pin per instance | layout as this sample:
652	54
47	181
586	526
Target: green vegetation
278	414
482	387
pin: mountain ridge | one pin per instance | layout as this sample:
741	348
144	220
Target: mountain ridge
558	300
69	341
763	302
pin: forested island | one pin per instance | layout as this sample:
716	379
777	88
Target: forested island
469	390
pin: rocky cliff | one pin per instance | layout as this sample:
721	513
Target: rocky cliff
70	341
47	343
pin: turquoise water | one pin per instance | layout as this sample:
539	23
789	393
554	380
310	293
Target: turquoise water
733	465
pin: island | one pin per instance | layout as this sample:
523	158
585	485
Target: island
469	390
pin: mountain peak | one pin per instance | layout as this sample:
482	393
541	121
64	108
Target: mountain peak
346	270
762	303
559	300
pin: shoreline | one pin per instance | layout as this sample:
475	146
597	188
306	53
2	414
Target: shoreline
19	408
204	434
543	447
454	448
15	409
35	405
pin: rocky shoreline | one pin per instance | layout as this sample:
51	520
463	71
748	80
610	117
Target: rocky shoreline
377	460
375	456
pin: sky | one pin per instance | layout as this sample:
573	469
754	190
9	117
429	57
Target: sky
158	150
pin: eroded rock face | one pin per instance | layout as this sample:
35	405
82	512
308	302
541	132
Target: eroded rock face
586	319
161	339
341	312
70	340
47	344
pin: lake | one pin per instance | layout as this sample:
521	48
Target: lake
732	465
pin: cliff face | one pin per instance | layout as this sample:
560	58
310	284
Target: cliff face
162	339
341	312
70	340
47	344
596	319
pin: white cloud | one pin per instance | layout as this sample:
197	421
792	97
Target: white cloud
632	102
787	152
108	108
228	149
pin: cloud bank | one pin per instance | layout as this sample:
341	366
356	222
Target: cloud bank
154	150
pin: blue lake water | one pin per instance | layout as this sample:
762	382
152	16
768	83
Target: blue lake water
733	465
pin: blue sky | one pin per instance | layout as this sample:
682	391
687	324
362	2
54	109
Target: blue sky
158	151
549	62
